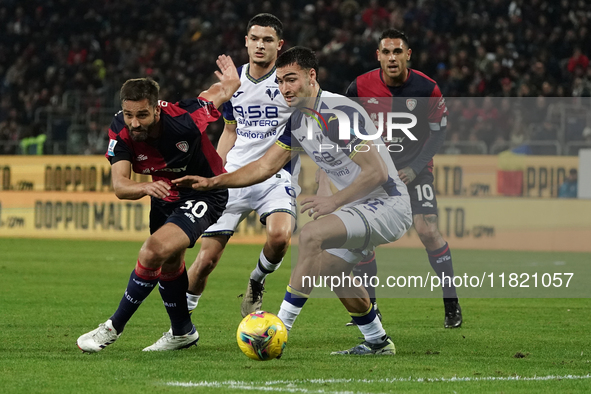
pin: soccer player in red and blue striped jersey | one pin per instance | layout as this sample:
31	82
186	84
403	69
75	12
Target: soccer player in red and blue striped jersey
167	141
396	88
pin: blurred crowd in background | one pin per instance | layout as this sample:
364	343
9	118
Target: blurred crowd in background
62	61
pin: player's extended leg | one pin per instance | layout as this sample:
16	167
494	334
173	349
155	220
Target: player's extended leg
210	253
362	311
328	231
440	258
173	287
313	260
364	270
167	241
279	227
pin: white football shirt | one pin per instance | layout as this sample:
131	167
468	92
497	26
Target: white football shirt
332	154
260	113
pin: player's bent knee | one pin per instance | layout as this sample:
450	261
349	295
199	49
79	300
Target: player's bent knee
155	253
311	237
427	226
151	257
279	240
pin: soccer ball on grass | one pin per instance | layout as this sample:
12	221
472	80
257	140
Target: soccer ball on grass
262	336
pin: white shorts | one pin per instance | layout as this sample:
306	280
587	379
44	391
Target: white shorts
276	194
373	222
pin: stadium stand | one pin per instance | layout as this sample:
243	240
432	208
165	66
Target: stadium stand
62	61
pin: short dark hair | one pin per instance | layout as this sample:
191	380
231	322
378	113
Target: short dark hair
266	20
303	57
393	33
138	89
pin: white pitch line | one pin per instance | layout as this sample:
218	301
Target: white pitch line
255	386
291	385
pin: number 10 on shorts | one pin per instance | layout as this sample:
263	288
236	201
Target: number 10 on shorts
426	192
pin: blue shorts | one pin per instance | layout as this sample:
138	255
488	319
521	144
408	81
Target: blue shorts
422	194
193	213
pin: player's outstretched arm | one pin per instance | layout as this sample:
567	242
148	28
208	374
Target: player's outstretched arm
128	189
222	91
255	172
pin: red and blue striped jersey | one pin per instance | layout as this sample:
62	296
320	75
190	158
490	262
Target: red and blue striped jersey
182	148
418	95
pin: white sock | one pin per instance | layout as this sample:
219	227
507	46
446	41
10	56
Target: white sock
192	301
373	332
288	313
264	267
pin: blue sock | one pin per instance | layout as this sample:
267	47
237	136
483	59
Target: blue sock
440	260
173	288
141	283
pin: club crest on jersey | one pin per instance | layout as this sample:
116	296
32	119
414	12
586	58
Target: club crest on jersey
183	146
272	93
411	104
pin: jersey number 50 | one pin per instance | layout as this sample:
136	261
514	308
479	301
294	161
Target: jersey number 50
198	209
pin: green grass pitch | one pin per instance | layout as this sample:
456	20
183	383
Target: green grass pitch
52	291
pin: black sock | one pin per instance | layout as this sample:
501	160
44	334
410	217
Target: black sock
173	290
440	260
138	289
369	269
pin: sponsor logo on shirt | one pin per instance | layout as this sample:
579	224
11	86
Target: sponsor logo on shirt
152	169
373	100
141	157
256	135
111	149
173	169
